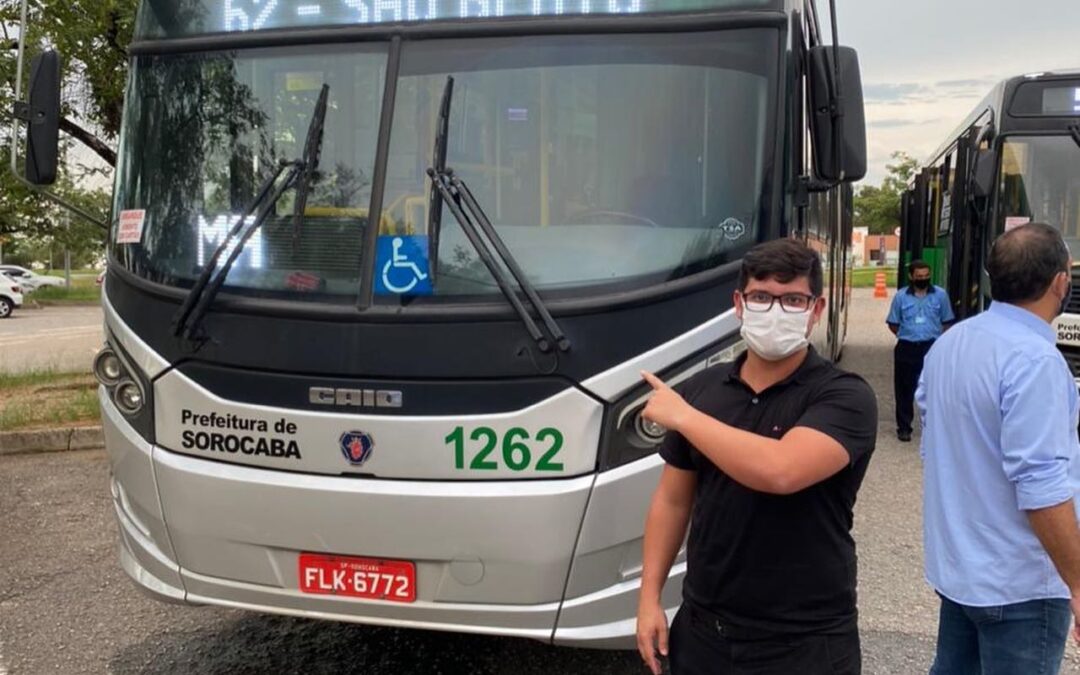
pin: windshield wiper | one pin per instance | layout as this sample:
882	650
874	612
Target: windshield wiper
448	188
202	294
435	200
463	205
311	156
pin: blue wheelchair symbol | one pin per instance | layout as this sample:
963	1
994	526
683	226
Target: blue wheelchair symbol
402	266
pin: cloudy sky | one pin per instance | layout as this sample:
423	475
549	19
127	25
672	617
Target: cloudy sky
927	63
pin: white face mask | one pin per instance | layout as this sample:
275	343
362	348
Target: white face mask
775	335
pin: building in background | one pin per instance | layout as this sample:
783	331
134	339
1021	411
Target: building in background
874	250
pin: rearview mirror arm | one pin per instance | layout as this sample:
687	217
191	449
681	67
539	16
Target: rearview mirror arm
22	109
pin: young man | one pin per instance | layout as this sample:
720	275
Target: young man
767	454
1001	469
920	313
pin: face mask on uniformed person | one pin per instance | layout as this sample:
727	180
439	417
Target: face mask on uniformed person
775	335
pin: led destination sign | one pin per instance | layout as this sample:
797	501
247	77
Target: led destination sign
247	15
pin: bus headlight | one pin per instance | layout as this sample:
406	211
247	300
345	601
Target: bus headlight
128	397
650	431
627	435
107	367
128	387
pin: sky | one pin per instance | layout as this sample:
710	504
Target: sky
926	64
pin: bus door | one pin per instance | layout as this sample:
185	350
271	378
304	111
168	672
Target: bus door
967	232
914	230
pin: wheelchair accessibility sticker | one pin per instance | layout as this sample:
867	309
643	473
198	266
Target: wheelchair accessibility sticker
402	266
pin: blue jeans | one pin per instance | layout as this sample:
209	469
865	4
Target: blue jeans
1027	638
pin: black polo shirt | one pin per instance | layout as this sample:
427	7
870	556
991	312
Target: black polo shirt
777	563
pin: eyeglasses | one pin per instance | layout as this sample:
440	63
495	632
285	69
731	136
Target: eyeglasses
792	303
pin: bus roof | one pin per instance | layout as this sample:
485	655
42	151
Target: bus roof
994	103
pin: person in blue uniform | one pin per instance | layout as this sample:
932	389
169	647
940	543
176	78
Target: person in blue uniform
920	313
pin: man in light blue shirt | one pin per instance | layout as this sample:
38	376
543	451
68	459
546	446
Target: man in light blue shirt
1001	468
920	313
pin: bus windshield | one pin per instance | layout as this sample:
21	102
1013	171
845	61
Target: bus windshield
622	160
1040	181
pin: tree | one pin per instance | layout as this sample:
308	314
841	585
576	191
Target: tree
878	207
92	38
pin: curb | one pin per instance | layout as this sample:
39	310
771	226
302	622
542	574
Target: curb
51	440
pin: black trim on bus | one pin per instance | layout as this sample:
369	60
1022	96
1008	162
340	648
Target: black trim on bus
505	27
378	183
425	397
396	346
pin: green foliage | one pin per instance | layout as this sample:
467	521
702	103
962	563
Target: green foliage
92	38
878	207
78	294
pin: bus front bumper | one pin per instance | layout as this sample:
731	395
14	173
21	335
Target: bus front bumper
557	561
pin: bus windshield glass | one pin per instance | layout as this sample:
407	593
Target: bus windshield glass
171	19
202	133
629	160
1041	182
605	163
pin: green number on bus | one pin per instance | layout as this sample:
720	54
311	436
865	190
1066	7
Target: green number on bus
512	449
516	451
457	437
545	463
480	462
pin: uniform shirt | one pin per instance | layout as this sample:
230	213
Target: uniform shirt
776	563
999	410
920	319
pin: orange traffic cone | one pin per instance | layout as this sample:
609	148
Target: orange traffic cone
879	286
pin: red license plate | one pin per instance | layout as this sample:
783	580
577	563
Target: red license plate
370	578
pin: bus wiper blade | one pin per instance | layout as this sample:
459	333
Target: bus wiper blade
205	289
438	162
199	286
466	208
310	159
202	294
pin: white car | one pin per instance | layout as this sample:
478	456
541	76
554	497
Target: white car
31	281
10	295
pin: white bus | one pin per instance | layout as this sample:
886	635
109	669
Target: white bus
383	275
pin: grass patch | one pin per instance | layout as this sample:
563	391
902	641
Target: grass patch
81	291
46	399
82	272
864	277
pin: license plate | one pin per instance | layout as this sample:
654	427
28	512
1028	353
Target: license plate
369	578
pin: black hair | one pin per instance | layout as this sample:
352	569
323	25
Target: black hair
784	260
917	265
1024	261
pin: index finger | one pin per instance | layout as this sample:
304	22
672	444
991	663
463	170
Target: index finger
654	381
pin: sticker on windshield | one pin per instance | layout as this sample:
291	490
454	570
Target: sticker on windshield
131	227
733	229
402	266
1013	222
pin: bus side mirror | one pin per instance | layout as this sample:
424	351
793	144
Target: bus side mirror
838	125
43	119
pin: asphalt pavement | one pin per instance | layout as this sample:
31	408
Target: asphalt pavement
66	607
63	339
